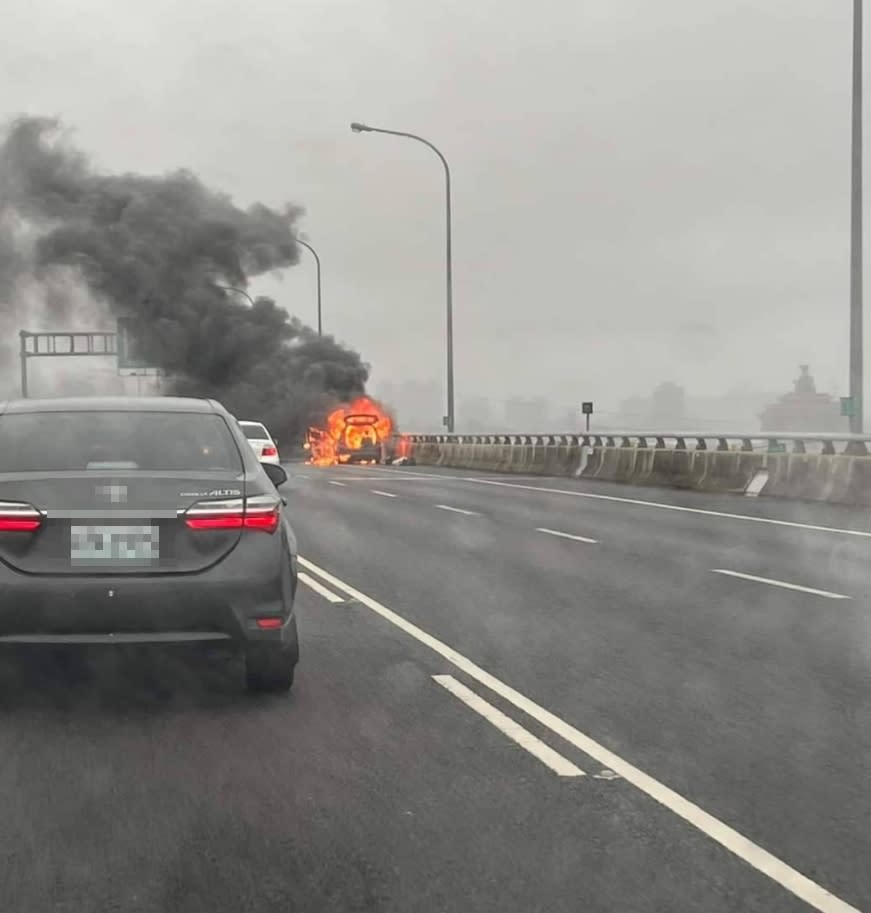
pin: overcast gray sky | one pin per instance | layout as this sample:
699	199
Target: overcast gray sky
643	191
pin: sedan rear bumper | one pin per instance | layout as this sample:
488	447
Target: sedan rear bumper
166	637
143	609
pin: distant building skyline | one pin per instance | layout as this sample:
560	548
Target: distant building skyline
805	409
419	406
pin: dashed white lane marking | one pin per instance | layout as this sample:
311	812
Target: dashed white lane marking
780	583
556	532
523	737
458	510
334	482
737	844
319	588
866	534
384	494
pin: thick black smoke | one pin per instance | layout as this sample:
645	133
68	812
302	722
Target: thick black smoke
157	249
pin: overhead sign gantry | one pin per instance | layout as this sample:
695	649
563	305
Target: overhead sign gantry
120	345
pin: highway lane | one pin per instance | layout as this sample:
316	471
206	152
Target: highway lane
147	780
837	558
768	509
750	699
395	778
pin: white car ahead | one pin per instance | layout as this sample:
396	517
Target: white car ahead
261	442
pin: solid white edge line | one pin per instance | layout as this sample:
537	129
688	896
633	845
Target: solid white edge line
866	534
458	510
739	845
391	477
384	494
334	482
561	766
318	587
556	532
779	583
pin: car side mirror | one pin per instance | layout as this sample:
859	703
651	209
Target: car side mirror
276	473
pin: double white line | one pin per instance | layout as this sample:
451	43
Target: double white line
523	737
509	727
319	588
736	843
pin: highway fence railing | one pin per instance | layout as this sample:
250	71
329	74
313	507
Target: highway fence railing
805	466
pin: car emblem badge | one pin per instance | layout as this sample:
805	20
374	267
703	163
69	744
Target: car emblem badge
117	494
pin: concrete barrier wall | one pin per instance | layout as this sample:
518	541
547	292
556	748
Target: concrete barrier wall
843	478
838	479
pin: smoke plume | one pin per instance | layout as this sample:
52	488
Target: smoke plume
78	245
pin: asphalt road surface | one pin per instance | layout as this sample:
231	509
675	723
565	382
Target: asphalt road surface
515	694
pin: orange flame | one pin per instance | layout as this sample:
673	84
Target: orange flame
348	428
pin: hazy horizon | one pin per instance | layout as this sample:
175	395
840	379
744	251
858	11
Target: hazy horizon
638	197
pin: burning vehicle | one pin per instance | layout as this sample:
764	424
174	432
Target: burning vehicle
358	432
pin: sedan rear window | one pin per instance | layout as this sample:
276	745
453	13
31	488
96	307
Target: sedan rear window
255	432
148	441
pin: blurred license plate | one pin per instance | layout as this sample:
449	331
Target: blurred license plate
114	544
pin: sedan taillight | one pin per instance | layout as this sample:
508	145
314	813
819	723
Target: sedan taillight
269	450
260	512
18	517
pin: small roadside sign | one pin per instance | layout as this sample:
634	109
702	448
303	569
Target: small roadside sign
776	447
847	406
587	411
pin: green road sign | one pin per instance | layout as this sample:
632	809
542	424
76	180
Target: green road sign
847	406
131	333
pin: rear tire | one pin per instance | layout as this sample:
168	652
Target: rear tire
270	669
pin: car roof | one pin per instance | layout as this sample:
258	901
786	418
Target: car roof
114	404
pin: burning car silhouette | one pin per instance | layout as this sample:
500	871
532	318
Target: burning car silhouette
356	433
360	442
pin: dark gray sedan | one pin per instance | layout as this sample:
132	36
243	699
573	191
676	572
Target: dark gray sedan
144	520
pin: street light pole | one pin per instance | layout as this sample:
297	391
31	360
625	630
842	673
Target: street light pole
318	264
449	308
241	291
23	335
856	303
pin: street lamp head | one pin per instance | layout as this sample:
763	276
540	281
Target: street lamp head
360	128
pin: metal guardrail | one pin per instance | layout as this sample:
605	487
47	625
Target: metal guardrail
770	442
